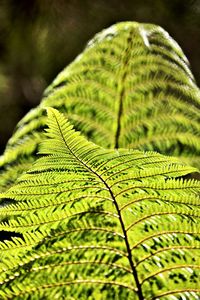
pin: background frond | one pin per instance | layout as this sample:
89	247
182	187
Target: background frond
131	88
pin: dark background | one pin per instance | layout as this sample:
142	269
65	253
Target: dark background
39	38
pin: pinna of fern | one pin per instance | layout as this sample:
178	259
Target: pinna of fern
100	224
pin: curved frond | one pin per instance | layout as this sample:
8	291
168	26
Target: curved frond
131	88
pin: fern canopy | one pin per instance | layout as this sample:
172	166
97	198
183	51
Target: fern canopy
99	214
100	224
130	88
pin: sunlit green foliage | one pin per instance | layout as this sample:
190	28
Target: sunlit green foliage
100	217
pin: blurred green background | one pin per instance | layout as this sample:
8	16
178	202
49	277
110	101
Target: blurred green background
39	38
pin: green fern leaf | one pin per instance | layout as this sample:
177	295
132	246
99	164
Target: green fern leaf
131	88
100	224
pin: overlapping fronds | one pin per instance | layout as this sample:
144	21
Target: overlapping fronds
131	88
103	223
100	224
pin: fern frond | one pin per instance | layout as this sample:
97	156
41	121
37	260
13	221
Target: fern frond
131	88
104	224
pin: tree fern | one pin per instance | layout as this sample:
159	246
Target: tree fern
130	88
100	224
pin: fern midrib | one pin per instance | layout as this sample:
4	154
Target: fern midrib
129	254
161	233
141	219
171	248
122	86
80	262
181	266
64	249
174	292
66	283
